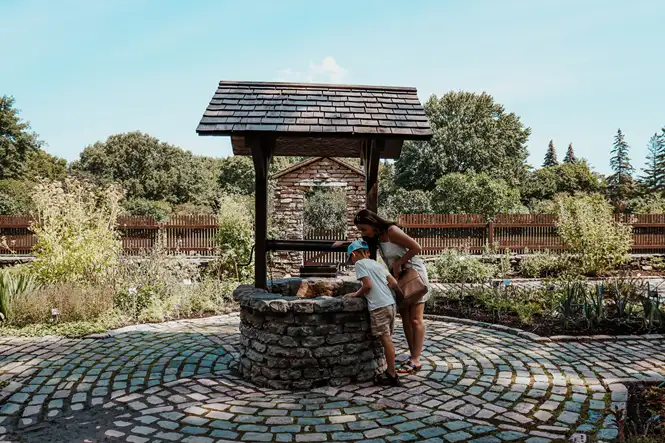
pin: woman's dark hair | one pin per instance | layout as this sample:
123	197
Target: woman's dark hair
378	223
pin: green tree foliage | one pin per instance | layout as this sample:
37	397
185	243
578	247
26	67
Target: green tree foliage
325	209
145	167
569	178
620	184
39	164
646	204
475	193
386	182
587	226
17	141
653	179
236	175
471	133
550	156
15	197
570	155
403	201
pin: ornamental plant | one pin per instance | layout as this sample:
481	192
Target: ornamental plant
75	229
587	226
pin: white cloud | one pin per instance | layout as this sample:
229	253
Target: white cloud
327	71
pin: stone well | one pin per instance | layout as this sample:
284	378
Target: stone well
303	334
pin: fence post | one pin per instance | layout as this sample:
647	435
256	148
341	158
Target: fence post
490	233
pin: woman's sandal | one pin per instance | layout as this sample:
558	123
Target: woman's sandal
409	367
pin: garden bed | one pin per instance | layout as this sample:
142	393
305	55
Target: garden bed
615	307
539	325
645	415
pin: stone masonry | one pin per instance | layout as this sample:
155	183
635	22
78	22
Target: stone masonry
289	202
290	342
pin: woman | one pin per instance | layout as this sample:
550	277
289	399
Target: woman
398	250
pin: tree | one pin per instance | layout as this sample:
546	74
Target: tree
569	178
386	182
40	164
653	179
15	197
471	133
570	155
475	193
236	175
403	201
17	141
550	156
144	166
621	185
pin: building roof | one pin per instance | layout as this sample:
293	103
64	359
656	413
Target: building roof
315	110
308	162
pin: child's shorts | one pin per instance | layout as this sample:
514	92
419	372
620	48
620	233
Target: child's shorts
382	321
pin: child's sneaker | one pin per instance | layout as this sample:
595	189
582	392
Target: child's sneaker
386	379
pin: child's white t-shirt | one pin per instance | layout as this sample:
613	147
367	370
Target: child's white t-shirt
380	295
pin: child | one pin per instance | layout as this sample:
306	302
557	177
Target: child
376	288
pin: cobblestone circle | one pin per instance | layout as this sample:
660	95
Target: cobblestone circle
176	382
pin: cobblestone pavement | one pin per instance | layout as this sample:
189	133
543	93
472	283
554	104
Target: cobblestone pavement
175	382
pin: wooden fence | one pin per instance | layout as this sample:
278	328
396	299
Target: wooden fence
517	232
189	234
435	232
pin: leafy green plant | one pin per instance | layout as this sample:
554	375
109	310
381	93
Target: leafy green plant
651	307
587	226
543	264
569	301
594	304
624	294
75	228
455	267
12	285
235	237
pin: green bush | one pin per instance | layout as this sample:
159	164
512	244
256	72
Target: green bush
235	236
325	209
76	236
159	210
158	287
587	226
542	264
455	267
15	198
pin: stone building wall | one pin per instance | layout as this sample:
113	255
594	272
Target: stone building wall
289	203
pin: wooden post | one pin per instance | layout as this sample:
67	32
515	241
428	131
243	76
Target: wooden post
490	233
372	154
262	148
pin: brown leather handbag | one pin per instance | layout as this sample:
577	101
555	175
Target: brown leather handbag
410	283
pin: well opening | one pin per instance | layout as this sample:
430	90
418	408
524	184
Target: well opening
302	333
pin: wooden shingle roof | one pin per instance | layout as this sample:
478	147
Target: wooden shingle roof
315	110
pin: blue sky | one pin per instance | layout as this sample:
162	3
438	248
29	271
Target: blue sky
574	71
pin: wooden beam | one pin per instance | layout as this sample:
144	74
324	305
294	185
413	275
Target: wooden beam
263	148
372	154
